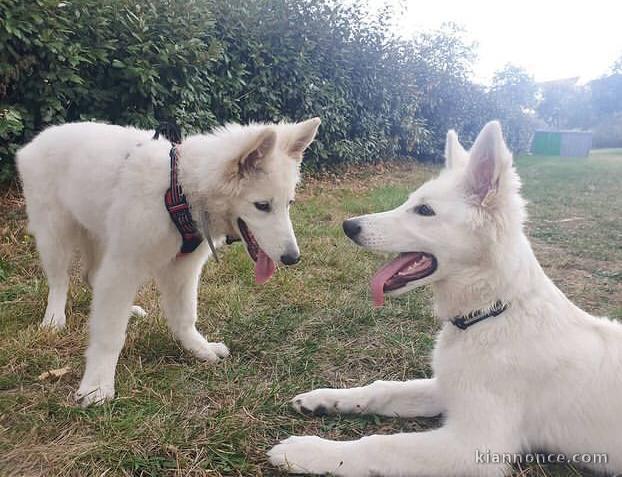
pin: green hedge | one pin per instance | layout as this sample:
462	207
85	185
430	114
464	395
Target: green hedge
206	62
112	61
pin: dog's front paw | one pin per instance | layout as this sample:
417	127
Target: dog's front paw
328	401
317	403
314	455
211	352
88	395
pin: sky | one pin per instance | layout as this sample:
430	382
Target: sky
551	39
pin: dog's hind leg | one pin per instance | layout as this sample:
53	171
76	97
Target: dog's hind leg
417	398
178	284
114	288
55	234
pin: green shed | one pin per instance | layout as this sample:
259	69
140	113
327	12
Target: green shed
562	143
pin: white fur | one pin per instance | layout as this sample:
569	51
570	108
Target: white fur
100	188
543	376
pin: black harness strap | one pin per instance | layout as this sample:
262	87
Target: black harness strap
179	210
464	321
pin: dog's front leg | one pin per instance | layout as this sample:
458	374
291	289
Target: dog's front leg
114	288
438	453
416	398
178	283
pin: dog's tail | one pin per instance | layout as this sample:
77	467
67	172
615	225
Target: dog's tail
169	130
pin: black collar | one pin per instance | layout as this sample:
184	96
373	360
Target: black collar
464	321
179	210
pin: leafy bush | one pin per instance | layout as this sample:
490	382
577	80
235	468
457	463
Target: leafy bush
206	62
298	58
119	61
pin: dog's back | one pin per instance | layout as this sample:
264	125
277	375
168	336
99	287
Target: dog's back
74	168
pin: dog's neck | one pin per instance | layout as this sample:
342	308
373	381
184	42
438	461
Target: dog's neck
198	178
513	276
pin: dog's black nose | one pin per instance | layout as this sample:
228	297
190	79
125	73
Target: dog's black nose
290	259
351	228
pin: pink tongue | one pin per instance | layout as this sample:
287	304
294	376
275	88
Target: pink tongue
386	272
264	268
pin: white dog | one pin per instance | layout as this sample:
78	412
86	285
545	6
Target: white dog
101	189
517	367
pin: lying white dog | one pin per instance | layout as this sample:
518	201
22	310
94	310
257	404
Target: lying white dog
517	367
101	188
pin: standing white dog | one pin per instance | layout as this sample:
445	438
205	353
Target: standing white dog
101	188
517	367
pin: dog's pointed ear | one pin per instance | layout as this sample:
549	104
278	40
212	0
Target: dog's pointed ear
251	159
302	136
489	160
455	155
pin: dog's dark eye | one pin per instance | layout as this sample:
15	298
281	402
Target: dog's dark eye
263	206
424	209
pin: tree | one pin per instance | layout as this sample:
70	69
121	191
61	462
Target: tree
607	95
565	105
513	94
440	62
606	104
514	88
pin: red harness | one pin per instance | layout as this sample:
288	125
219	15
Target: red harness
179	210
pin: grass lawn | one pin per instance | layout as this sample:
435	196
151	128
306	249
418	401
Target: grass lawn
312	325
